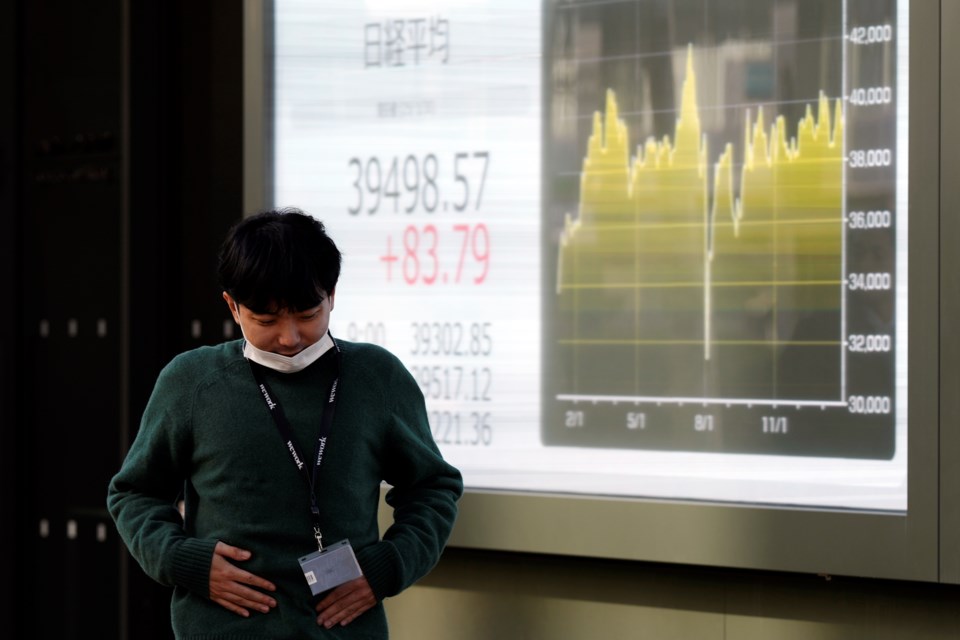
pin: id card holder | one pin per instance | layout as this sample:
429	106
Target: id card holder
331	567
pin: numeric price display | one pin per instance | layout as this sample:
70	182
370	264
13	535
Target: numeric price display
426	171
417	183
419	260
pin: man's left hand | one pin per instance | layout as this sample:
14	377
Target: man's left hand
346	602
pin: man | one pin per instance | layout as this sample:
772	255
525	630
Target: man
278	444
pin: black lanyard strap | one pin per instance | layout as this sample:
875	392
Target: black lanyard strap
286	432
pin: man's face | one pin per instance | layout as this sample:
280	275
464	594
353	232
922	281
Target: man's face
284	332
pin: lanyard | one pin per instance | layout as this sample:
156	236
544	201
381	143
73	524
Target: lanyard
286	432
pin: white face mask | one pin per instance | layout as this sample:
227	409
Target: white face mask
288	364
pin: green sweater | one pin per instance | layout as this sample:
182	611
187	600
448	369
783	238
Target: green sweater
207	434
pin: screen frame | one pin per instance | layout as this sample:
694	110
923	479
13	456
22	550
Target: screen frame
949	301
911	546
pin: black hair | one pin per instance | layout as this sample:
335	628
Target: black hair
278	259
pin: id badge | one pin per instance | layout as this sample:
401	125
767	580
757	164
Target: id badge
331	567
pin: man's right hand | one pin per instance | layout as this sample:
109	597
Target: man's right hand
230	586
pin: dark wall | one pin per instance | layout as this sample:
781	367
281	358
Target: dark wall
124	143
9	284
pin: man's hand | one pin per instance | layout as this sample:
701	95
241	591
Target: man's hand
228	583
346	602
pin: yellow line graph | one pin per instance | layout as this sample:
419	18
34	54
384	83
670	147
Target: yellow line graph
697	238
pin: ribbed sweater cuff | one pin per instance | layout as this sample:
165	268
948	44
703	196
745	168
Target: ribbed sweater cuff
381	565
191	565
